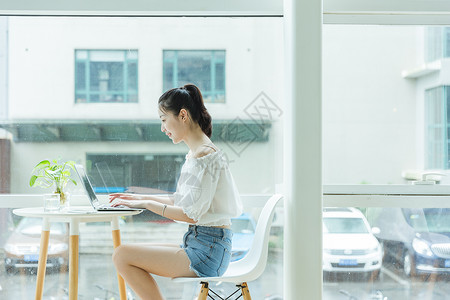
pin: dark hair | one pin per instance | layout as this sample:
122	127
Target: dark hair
190	98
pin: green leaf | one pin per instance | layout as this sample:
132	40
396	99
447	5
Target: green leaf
54	167
43	164
33	180
46	174
52	172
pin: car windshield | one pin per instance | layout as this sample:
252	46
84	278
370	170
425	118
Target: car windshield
242	226
33	226
428	219
344	225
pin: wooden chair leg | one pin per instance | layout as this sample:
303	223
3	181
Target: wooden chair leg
73	267
203	291
245	291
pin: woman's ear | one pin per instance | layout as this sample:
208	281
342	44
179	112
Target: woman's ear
183	115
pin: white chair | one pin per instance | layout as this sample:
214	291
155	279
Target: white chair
251	266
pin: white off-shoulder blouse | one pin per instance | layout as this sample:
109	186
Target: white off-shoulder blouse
206	190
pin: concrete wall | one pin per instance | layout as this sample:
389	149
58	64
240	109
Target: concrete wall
42	59
369	111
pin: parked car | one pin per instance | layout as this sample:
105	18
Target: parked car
22	246
416	239
349	244
243	232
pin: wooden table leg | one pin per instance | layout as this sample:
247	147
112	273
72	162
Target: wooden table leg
73	259
42	263
116	243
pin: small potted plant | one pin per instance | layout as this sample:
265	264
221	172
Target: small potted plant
47	174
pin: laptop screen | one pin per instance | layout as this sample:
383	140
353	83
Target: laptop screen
87	185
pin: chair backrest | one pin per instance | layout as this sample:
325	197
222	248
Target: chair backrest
255	260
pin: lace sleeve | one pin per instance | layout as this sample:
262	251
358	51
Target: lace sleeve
197	187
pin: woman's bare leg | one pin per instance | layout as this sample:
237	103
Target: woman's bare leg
135	262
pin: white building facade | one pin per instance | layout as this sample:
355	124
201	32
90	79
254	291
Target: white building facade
373	117
48	117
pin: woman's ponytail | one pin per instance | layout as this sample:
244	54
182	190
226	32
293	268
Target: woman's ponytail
204	118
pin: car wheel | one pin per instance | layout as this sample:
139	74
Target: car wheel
409	265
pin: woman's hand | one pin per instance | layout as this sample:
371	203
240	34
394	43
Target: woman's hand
123	196
130	203
130	200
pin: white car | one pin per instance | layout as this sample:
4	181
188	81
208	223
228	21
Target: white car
349	244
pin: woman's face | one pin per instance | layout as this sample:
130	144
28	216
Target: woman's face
172	125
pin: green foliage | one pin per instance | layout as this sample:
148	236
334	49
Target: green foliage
47	174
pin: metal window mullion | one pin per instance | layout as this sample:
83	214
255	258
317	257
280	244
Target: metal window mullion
223	61
75	77
433	104
164	70
125	77
213	75
86	76
175	69
427	129
137	77
445	126
435	148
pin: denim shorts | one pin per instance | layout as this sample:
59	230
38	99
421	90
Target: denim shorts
208	249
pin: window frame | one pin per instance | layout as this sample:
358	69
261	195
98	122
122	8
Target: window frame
436	96
213	92
128	161
87	77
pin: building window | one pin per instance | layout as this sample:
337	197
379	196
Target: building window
437	127
437	43
140	173
204	68
106	76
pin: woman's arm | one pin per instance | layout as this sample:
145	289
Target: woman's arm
161	199
167	210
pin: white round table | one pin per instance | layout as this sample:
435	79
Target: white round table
74	216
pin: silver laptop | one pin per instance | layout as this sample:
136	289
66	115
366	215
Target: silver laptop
91	194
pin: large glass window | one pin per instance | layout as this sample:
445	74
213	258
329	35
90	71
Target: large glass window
391	131
205	68
144	173
437	128
373	129
106	76
121	146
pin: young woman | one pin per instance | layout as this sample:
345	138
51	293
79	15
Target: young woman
206	197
